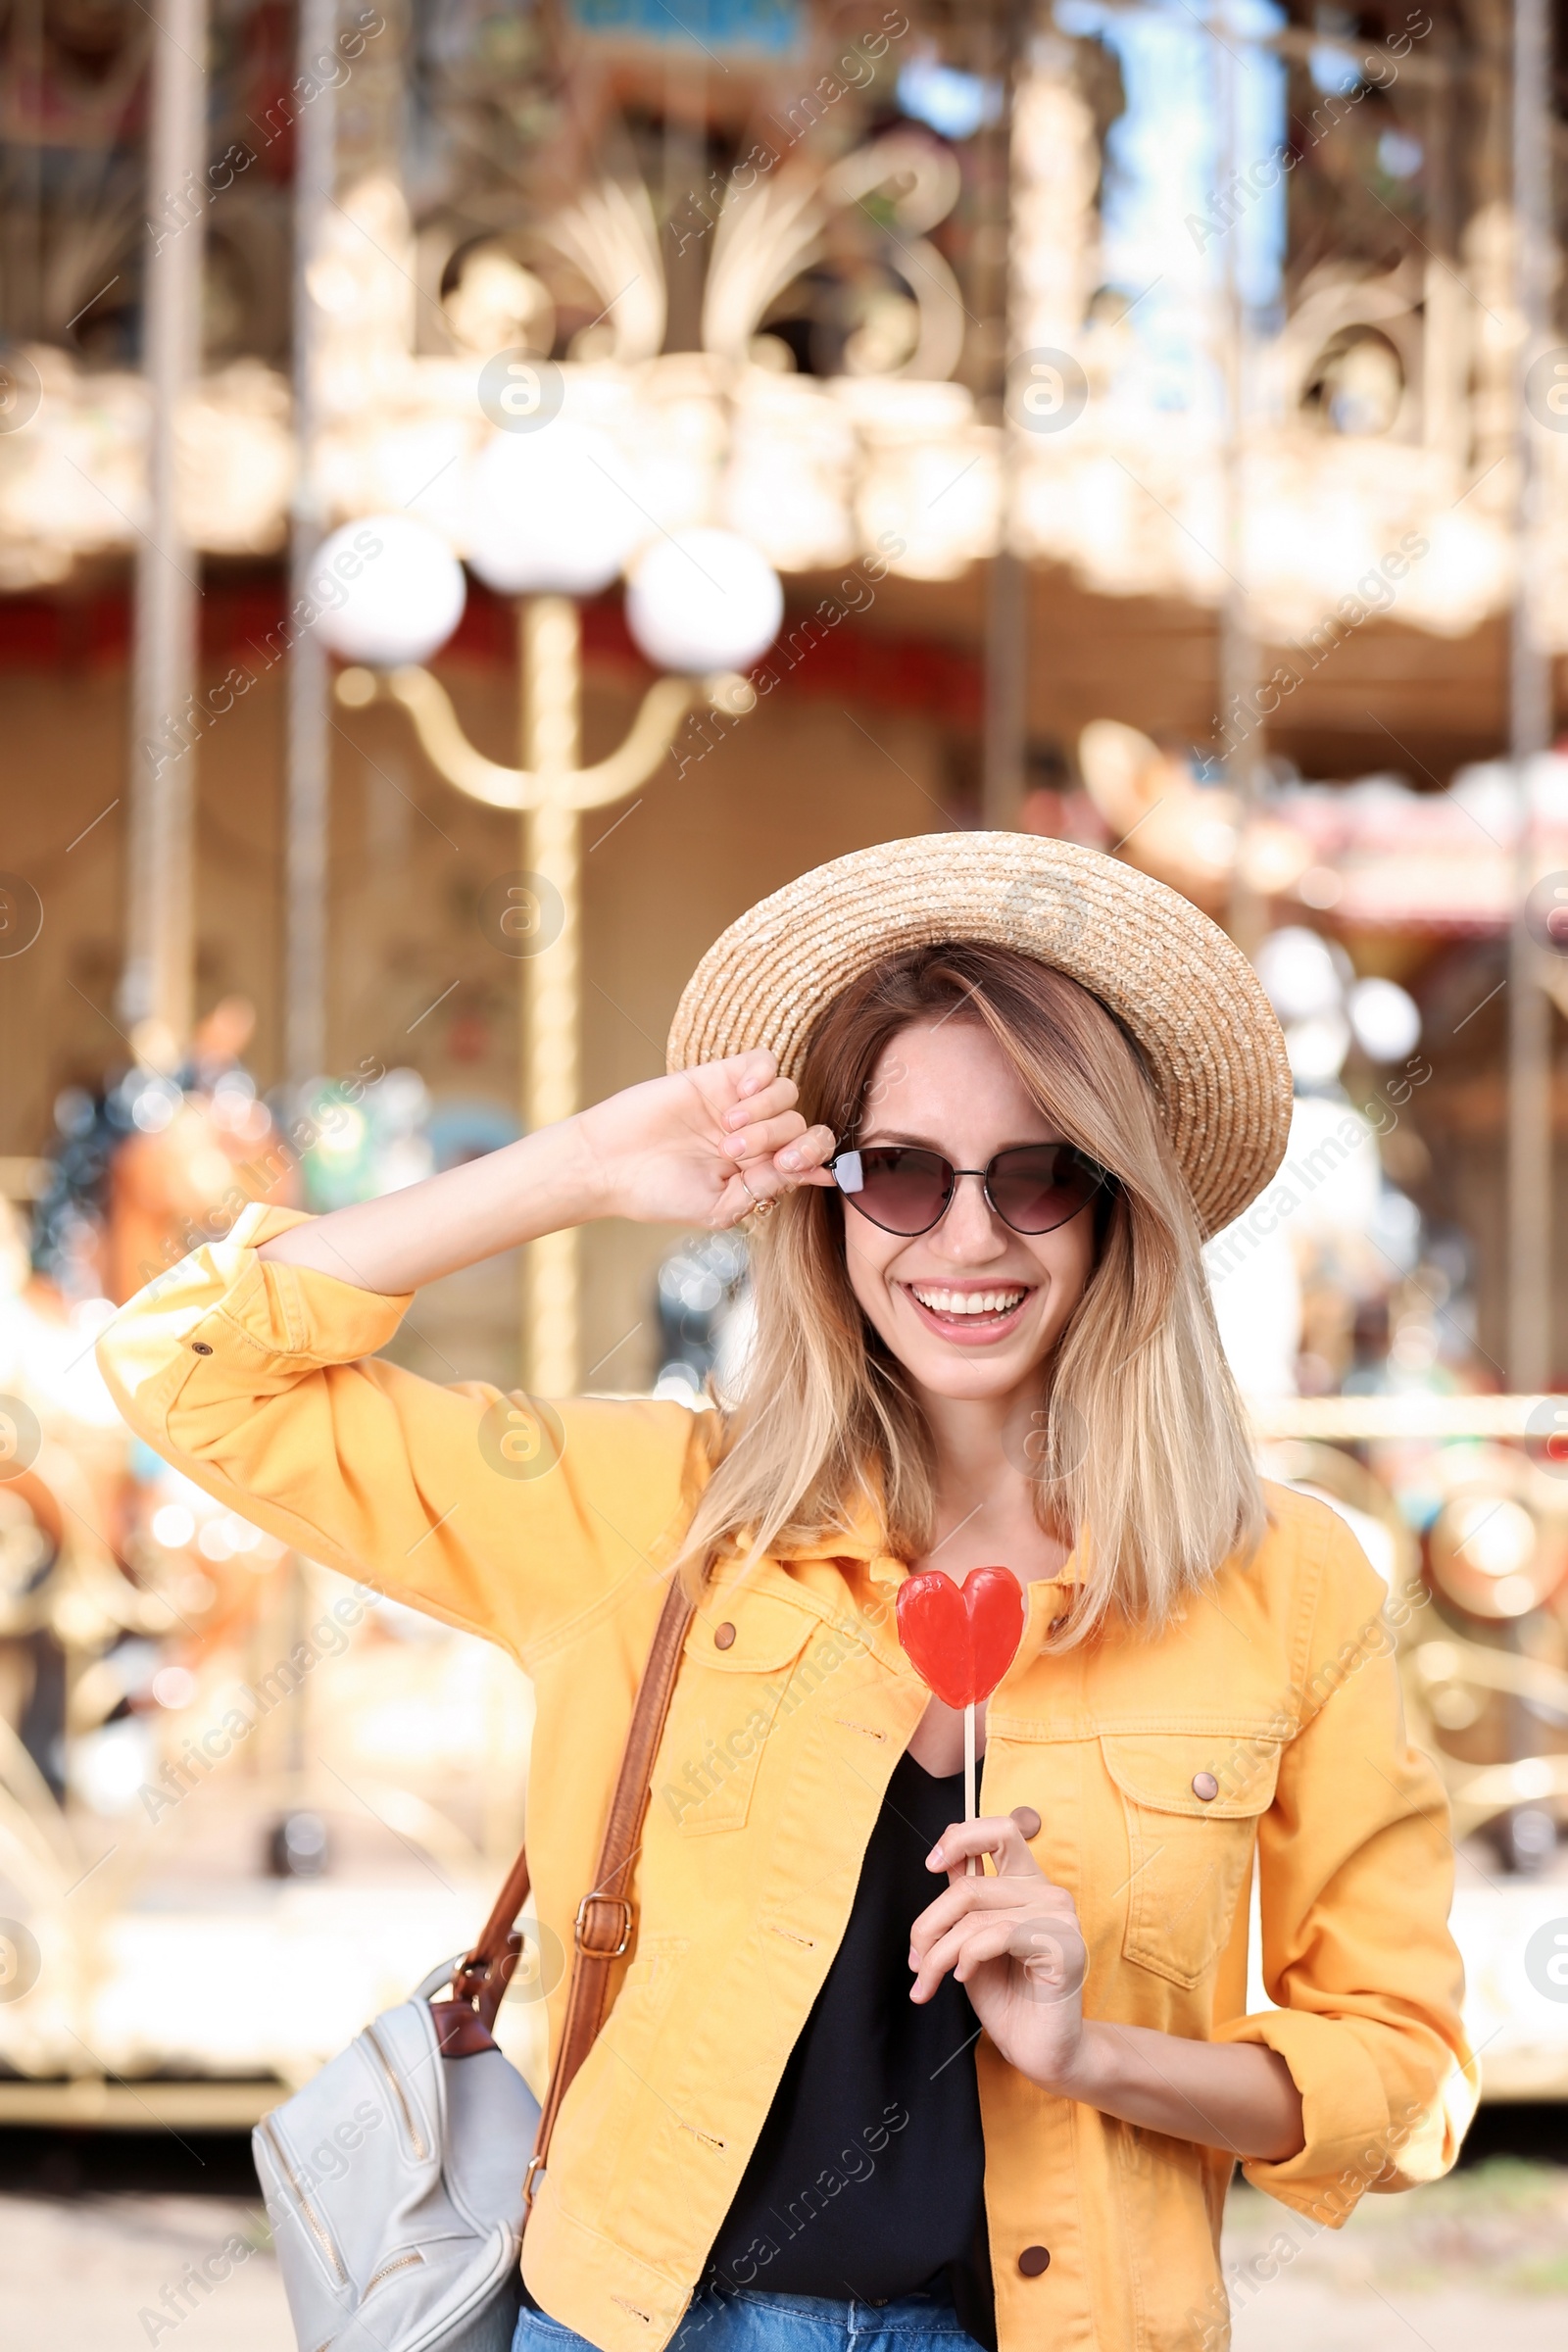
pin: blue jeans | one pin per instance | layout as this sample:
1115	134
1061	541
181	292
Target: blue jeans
741	2320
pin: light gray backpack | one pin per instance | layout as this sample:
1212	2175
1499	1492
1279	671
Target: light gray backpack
394	2185
398	2181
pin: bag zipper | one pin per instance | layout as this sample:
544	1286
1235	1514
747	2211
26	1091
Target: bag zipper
404	2262
415	2136
312	2220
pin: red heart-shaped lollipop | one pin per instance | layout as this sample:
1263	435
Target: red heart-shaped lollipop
961	1639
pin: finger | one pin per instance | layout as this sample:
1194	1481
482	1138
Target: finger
761	1137
735	1203
757	1184
806	1155
763	1101
997	1834
1053	1961
985	1939
994	1935
962	1896
1052	1965
720	1086
752	1070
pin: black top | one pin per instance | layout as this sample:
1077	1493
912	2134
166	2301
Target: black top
868	2177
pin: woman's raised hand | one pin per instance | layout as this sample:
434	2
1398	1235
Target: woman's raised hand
704	1147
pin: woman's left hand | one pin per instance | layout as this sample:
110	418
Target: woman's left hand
1014	1945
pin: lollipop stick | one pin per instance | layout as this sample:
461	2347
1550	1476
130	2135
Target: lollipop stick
971	1866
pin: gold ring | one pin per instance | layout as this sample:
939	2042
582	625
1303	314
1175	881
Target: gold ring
762	1207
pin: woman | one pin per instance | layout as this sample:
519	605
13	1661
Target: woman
981	1097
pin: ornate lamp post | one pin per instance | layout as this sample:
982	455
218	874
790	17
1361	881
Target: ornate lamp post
160	974
552	522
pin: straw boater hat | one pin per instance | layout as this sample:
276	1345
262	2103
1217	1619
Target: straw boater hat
1185	992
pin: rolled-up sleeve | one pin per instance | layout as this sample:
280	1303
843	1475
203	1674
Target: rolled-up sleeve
260	1382
1355	1869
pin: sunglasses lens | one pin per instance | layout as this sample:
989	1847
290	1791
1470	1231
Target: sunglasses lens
901	1189
1041	1186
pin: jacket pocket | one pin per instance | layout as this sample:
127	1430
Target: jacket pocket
725	1706
1192	1801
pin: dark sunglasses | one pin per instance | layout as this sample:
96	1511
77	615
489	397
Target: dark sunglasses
1033	1188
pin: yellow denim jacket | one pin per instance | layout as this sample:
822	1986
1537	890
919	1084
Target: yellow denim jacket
255	1380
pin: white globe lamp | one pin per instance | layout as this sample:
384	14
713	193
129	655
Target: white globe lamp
1299	974
1386	1019
401	587
1316	1047
703	600
551	519
551	512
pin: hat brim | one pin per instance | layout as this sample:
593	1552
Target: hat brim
1174	979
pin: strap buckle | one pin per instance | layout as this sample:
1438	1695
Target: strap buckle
536	2165
580	1927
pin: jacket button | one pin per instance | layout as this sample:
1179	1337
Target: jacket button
724	1637
200	1348
1028	1819
1206	1787
1033	2260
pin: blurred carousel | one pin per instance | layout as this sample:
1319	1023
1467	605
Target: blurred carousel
243	1803
1348	1301
1462	1504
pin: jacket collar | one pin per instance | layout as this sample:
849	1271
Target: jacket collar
863	1538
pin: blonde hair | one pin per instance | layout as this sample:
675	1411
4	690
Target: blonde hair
1163	1489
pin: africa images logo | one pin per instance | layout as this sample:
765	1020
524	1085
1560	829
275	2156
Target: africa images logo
1547	1959
521	1436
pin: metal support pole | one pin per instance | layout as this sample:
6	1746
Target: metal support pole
1007	684
159	981
1530	1170
552	788
551	1010
1238	644
309	740
1445	357
1006	744
684	193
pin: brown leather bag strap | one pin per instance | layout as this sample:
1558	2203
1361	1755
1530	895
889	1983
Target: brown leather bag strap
485	1974
604	1916
603	1925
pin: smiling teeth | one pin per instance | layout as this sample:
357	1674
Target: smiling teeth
969	1302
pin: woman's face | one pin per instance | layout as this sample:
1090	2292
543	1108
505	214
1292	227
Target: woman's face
948	1086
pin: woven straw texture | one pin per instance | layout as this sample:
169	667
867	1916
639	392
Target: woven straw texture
1181	987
